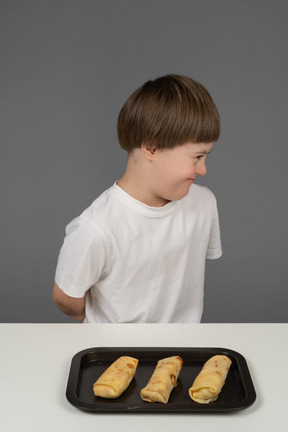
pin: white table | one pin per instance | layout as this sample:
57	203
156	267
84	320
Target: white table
35	362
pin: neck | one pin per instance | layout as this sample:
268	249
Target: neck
136	181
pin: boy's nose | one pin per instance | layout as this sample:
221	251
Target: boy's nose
201	169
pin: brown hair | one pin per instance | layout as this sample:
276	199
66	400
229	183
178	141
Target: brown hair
167	112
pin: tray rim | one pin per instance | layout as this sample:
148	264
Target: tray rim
158	408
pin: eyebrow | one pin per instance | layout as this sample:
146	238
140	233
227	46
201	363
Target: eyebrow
203	152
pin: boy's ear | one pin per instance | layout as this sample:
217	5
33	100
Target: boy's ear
148	150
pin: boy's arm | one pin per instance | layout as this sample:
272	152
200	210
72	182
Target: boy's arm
74	307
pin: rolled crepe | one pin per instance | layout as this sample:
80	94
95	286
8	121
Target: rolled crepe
163	380
208	384
116	378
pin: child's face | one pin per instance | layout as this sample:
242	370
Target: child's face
177	168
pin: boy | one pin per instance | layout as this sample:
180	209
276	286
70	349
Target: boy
137	254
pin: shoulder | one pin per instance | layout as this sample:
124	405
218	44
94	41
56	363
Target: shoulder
200	200
99	207
202	193
96	218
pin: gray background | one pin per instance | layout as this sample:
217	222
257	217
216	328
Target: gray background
67	67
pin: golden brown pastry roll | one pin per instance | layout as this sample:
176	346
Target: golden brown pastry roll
163	380
209	382
116	378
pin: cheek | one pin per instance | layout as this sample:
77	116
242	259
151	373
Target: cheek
186	170
174	169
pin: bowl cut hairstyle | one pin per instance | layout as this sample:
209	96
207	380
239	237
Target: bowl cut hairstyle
166	112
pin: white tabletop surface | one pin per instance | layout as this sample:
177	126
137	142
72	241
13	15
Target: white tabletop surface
35	363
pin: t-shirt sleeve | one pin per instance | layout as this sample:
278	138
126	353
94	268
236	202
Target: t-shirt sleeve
81	259
214	249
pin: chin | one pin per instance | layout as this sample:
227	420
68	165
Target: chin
180	195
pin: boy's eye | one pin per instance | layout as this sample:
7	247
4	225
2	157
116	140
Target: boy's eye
202	156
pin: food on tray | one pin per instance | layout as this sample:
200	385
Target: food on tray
116	378
209	382
163	380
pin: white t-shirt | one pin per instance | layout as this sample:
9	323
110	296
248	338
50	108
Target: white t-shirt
140	264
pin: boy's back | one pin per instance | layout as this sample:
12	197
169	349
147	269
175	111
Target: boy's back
143	264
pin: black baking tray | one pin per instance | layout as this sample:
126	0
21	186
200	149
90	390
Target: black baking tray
87	365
